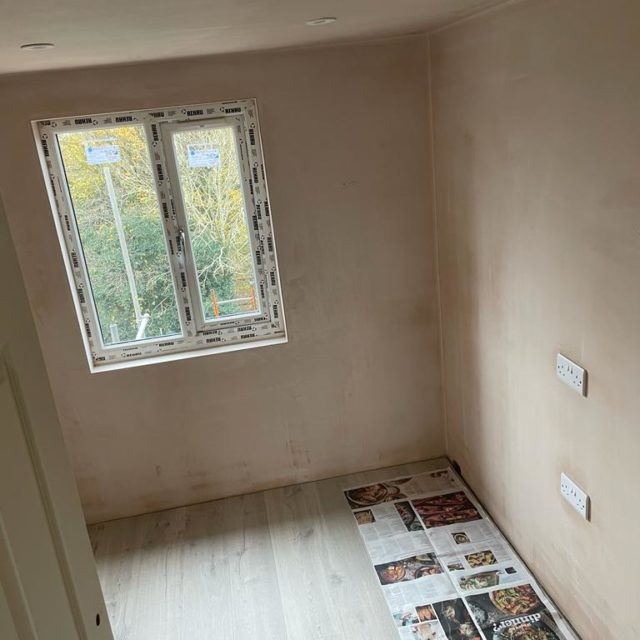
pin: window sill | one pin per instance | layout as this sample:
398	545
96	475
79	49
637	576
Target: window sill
184	355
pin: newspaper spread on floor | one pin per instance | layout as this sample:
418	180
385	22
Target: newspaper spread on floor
446	571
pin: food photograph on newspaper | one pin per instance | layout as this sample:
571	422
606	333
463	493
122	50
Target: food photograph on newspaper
446	571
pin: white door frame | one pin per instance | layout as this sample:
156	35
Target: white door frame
33	445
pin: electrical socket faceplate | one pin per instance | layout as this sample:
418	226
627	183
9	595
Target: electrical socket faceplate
575	496
571	374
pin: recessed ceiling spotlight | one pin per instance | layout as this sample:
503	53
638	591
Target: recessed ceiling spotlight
32	46
319	22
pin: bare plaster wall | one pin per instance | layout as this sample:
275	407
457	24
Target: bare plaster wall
358	385
537	147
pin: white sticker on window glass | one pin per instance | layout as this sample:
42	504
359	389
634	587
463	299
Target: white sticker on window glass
102	154
202	155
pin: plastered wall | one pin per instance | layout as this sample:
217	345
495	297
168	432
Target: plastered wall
358	384
537	147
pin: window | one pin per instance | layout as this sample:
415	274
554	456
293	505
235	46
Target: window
165	223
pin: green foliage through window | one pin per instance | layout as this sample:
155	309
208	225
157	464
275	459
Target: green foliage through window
138	205
214	206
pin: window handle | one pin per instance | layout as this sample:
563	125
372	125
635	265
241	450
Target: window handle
181	239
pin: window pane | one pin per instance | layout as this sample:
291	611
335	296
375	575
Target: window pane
116	208
210	183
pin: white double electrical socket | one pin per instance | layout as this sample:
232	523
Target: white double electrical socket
571	374
575	496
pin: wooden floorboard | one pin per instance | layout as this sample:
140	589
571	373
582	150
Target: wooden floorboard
284	564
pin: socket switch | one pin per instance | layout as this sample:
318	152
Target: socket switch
571	374
575	496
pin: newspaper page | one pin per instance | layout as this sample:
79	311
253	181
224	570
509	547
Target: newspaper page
440	481
446	571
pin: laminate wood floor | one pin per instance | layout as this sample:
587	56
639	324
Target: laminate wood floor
284	564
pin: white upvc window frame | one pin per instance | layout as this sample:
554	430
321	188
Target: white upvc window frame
168	129
199	337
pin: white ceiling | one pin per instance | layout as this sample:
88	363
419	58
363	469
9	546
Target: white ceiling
92	32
